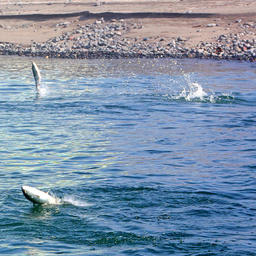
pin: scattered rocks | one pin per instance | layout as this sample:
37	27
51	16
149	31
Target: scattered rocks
63	24
110	40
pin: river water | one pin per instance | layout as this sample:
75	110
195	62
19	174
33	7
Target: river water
152	157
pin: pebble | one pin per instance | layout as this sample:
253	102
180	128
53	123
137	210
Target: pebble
180	39
104	39
211	25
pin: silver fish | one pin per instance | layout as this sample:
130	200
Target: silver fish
36	73
37	196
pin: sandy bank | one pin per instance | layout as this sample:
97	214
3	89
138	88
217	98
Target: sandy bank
191	22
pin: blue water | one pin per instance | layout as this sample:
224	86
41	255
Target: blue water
155	157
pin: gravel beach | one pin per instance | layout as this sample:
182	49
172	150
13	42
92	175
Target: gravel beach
111	29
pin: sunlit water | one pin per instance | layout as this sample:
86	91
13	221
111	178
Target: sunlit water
152	157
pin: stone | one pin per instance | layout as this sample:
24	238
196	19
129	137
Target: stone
180	39
249	24
222	37
118	33
109	40
210	25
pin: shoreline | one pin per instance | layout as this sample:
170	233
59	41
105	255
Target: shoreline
131	30
107	40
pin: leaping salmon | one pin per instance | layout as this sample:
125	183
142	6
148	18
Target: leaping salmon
37	196
36	74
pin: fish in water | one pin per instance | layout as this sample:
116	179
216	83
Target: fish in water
37	196
36	74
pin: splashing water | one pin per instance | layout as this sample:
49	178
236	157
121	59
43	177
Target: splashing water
133	151
190	90
69	199
43	91
195	92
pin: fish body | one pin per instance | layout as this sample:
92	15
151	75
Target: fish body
36	74
37	196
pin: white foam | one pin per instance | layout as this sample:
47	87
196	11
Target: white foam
195	92
69	199
43	90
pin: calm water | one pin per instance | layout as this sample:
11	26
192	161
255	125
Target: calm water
155	157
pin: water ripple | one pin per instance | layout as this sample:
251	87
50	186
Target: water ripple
150	157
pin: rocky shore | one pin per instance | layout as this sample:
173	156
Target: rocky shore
108	39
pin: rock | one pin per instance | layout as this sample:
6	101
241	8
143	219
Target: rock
66	23
98	22
249	24
63	24
98	3
237	49
210	25
118	33
56	39
222	37
108	39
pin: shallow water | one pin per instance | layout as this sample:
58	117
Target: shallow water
155	157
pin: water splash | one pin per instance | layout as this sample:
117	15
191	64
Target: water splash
43	91
194	91
70	199
187	89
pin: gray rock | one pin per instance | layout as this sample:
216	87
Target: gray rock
98	22
109	39
181	39
249	24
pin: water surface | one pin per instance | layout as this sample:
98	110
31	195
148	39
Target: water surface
156	157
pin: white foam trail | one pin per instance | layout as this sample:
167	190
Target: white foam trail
69	199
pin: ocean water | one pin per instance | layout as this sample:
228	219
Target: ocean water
152	157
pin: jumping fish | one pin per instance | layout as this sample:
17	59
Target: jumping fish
37	196
36	74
